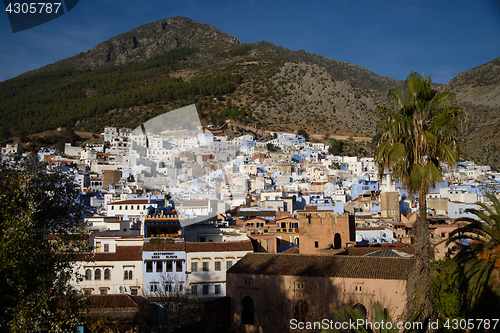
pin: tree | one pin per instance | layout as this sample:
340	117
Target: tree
39	240
418	136
304	133
447	299
382	322
478	262
336	147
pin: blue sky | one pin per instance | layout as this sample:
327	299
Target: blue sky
439	38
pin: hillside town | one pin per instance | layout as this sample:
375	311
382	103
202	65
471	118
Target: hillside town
175	212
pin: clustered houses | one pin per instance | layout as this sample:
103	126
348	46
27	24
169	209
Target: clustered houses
171	209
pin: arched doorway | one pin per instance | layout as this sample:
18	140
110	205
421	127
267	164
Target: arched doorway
337	241
301	310
247	313
361	308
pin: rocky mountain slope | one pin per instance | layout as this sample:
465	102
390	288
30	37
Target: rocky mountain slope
146	42
478	93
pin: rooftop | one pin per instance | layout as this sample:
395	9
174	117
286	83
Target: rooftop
385	268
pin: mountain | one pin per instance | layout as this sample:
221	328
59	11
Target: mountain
479	85
146	42
478	93
161	66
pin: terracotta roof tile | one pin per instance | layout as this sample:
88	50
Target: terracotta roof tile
292	250
361	251
115	302
123	253
323	266
177	246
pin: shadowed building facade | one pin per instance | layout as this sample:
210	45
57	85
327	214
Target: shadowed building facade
269	290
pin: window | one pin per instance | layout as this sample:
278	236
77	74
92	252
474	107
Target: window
97	274
87	292
103	291
159	266
218	265
181	287
88	274
153	287
134	291
316	245
229	264
169	266
299	284
205	289
194	289
168	287
194	266
178	266
205	266
127	275
149	266
278	241
217	289
107	274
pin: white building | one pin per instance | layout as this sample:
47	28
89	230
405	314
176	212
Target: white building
208	263
115	267
164	268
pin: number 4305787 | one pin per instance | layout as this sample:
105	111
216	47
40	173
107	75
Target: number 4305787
33	7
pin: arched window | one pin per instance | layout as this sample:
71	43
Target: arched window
97	274
107	274
247	313
88	274
127	275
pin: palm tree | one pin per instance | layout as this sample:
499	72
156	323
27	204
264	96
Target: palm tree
478	262
419	135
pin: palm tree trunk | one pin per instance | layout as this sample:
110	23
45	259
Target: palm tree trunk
419	280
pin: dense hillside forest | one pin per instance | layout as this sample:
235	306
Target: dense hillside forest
61	98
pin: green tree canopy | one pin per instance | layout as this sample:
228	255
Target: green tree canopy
304	133
477	263
39	239
336	147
